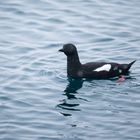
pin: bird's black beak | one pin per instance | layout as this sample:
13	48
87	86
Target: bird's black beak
61	50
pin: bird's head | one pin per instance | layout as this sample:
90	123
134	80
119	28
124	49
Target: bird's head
69	49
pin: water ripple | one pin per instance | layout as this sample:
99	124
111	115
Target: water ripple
37	100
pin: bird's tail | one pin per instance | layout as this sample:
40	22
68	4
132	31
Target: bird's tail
129	65
125	67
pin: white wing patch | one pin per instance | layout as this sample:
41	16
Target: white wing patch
105	67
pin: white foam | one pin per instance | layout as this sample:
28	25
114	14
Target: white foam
105	67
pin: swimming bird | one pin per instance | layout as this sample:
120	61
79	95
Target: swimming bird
95	70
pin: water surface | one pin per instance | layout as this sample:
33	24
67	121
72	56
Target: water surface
37	100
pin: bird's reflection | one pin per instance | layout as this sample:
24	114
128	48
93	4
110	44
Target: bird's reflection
70	103
72	87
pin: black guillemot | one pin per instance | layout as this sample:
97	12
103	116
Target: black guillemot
95	70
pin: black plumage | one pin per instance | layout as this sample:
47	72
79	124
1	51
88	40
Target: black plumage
95	70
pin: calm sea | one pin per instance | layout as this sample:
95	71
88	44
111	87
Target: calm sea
37	100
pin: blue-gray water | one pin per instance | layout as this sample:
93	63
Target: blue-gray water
37	100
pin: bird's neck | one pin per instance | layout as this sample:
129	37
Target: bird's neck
73	65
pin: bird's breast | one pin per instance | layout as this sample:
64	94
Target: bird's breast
80	73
